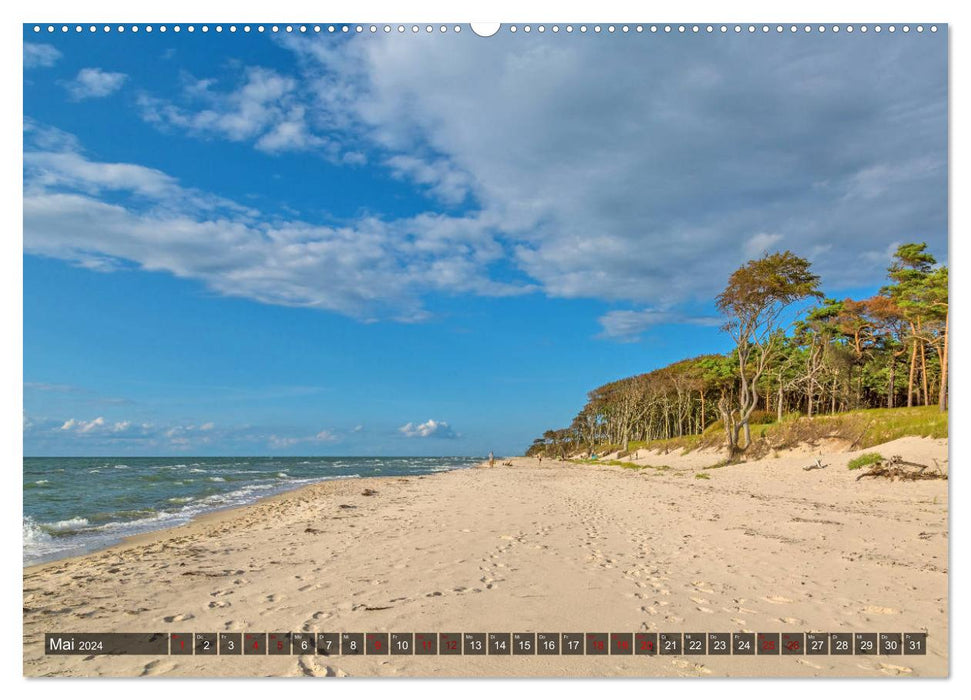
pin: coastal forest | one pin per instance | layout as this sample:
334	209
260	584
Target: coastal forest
796	353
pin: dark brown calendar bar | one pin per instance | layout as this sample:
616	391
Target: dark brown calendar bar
111	643
488	643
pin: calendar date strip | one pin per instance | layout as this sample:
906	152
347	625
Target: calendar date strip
488	643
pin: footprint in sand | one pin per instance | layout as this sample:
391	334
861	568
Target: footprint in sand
156	667
804	662
178	618
894	670
792	621
879	610
219	604
777	599
689	667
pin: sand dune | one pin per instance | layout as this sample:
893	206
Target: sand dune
762	547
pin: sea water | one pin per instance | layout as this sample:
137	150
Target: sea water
74	505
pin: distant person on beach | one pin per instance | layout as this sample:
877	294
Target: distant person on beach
492	460
541	459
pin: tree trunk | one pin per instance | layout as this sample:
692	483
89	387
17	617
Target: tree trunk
893	376
913	369
923	366
702	392
942	395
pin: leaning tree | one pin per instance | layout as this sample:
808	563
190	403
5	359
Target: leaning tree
753	302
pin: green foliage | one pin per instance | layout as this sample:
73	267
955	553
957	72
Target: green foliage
837	359
702	476
865	460
773	279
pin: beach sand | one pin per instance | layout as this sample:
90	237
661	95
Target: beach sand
558	547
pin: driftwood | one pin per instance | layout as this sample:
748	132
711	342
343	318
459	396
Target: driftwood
898	468
818	465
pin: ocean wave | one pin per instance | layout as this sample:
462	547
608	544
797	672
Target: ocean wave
65	527
151	495
33	533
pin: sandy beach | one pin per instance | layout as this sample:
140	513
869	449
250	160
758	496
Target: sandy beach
527	547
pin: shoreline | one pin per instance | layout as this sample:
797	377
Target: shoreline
212	516
139	536
762	546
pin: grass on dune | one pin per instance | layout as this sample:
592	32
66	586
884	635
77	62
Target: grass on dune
865	460
861	429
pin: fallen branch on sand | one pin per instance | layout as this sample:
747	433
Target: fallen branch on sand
897	468
818	465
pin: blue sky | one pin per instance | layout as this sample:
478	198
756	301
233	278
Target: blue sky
433	244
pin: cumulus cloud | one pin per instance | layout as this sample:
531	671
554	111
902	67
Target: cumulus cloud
429	429
578	172
652	185
100	434
94	82
40	55
369	268
95	425
264	108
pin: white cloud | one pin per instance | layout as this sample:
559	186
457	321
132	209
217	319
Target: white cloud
761	243
281	443
80	426
652	186
369	268
627	325
40	55
286	441
648	188
429	429
439	176
101	429
94	82
264	108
